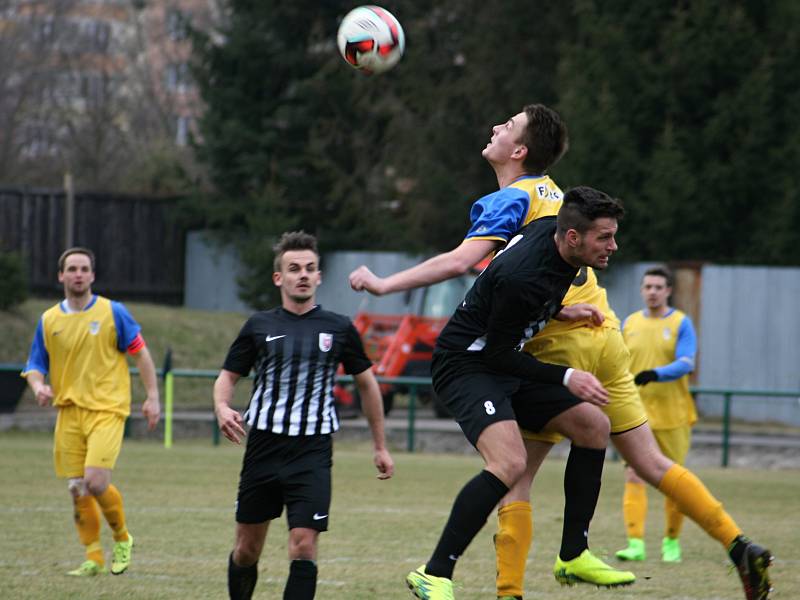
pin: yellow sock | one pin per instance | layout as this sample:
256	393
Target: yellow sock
87	522
634	509
695	501
673	519
95	552
110	503
512	542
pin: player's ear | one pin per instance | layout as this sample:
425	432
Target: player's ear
573	238
520	152
276	278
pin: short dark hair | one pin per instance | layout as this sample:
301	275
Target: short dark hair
545	137
583	205
74	250
660	271
293	240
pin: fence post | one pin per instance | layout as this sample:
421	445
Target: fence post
168	407
412	404
214	431
169	384
726	427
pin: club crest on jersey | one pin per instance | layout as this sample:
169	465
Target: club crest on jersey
94	327
667	333
325	341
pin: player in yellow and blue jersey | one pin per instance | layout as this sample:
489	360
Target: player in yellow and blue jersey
585	335
663	345
80	343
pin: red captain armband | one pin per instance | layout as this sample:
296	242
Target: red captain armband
136	345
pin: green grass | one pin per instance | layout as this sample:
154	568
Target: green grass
179	504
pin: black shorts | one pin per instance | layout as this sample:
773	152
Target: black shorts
279	470
478	397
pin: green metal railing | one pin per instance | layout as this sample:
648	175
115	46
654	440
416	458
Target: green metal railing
727	400
415	383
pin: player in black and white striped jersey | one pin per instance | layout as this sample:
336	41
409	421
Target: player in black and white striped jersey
295	350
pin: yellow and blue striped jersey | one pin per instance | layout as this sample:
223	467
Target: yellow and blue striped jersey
501	214
668	346
84	354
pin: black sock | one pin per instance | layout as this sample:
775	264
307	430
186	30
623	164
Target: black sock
471	508
736	549
302	582
582	479
241	580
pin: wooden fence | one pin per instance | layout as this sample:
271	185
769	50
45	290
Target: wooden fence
138	242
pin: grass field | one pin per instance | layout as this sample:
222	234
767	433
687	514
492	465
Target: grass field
180	509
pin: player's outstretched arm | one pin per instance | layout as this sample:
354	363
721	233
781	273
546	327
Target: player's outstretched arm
228	419
439	268
372	405
151	408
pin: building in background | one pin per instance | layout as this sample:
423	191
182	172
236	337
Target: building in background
98	88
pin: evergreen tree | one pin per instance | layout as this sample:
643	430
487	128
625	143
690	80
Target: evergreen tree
684	110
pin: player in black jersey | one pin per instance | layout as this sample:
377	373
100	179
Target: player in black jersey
295	350
493	389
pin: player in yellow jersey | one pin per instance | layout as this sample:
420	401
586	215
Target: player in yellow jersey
81	344
663	344
585	335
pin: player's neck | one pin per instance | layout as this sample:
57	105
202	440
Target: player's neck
299	308
77	303
658	313
507	173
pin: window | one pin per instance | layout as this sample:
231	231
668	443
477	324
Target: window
38	141
176	77
97	34
177	25
182	126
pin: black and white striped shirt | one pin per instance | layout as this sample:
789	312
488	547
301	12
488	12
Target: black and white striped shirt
295	359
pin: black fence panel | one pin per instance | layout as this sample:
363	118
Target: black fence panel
139	245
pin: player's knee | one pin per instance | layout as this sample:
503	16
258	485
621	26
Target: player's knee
77	487
511	469
246	554
302	547
593	429
96	485
650	466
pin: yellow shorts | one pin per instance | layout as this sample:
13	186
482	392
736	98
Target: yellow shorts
602	352
674	443
86	438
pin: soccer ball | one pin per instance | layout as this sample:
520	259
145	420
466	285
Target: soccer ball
371	39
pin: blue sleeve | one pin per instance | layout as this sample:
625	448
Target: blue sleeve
499	214
38	359
685	350
127	327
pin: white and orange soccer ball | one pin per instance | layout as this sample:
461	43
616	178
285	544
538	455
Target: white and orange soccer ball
371	39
